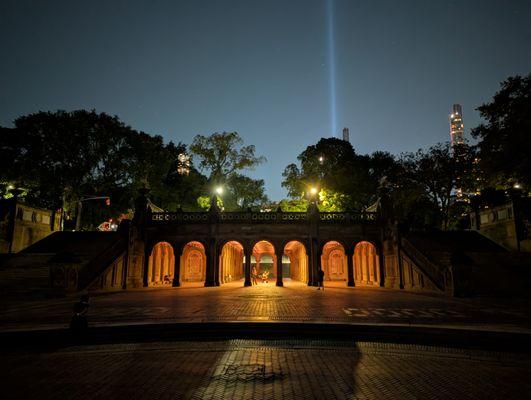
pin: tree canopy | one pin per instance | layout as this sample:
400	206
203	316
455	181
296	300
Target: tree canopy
505	144
224	157
61	157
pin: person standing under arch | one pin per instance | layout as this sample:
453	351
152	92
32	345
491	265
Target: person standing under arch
254	274
320	280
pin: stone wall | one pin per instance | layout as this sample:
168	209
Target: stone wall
22	225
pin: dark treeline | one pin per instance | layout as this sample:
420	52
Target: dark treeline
433	188
58	158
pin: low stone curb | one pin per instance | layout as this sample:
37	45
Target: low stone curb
491	340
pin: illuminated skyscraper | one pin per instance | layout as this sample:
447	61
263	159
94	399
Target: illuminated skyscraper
457	128
346	135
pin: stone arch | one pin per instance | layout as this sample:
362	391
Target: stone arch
231	258
264	259
161	265
299	266
334	261
193	262
366	264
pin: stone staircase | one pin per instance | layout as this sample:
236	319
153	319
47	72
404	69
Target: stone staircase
462	263
27	273
25	276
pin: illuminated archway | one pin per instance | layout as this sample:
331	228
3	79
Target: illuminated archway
366	265
264	261
334	262
231	266
193	263
296	266
161	265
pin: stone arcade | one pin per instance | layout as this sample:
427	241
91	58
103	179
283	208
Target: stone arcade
215	247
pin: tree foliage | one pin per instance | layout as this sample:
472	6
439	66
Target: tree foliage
223	157
433	174
505	145
61	157
421	186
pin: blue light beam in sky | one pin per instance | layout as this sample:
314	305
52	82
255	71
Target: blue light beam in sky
331	65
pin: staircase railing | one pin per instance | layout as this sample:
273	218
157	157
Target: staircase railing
100	263
433	271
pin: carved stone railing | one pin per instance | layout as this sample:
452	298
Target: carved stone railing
347	217
162	218
435	272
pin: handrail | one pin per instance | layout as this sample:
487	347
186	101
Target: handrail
259	217
432	270
95	267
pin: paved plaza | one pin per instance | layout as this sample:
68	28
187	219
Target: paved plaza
251	369
295	302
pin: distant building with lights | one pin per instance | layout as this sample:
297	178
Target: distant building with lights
346	137
457	128
457	140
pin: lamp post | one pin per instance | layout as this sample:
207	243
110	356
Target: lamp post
218	191
314	191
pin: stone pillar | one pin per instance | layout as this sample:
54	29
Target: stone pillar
222	260
176	267
145	272
349	251
211	264
399	253
217	268
315	263
279	252
248	254
380	261
158	262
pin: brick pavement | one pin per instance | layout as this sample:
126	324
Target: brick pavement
250	369
266	302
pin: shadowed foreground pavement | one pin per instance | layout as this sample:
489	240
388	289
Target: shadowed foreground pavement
266	342
264	369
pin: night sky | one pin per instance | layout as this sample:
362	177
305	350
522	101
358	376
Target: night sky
265	68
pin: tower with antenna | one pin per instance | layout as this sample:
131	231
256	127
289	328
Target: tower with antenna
457	128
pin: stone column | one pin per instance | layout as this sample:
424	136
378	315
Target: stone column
248	252
279	252
315	263
211	264
350	265
158	262
399	254
145	277
216	261
176	267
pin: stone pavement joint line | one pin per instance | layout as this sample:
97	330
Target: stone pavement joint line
264	369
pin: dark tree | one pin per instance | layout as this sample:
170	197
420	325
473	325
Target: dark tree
62	157
223	157
505	137
333	166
